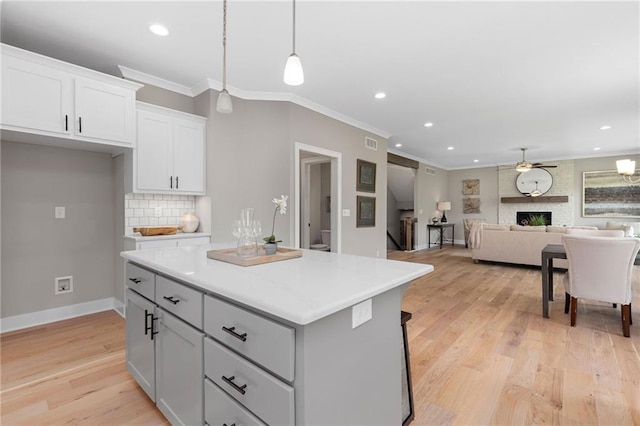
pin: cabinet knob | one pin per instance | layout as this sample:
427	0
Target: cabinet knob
232	332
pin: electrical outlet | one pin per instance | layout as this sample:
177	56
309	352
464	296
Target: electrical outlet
158	211
346	212
63	285
60	213
361	313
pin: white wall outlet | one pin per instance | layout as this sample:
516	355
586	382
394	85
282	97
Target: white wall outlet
63	285
346	212
361	313
60	212
158	211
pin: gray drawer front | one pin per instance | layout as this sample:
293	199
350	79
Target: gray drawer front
187	302
221	409
268	343
267	397
141	280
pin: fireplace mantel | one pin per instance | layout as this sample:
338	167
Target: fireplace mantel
528	200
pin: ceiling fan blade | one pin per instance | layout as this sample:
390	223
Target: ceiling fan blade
542	166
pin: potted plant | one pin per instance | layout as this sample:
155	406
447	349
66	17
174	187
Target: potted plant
270	242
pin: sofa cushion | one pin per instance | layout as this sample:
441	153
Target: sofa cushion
528	228
626	227
492	227
558	229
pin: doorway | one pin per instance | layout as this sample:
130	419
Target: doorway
318	187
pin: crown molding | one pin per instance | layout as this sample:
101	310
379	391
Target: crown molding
211	84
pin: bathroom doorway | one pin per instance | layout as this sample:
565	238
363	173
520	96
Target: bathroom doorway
318	189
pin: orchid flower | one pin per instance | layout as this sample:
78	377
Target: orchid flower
281	205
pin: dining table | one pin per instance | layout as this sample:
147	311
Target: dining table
550	252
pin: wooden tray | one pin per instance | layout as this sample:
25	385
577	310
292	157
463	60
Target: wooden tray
230	256
162	230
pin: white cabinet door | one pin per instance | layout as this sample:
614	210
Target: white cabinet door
36	97
154	152
140	342
179	371
104	111
188	155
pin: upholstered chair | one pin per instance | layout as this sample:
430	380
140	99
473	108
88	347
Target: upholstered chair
596	232
467	224
600	269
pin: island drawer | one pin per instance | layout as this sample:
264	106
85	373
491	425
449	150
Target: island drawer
220	409
141	280
267	397
180	300
266	342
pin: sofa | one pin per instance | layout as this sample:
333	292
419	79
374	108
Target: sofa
515	243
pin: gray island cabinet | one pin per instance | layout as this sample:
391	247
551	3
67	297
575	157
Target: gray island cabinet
308	341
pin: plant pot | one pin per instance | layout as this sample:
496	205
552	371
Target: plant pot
270	248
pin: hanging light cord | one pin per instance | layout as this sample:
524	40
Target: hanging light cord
224	46
294	26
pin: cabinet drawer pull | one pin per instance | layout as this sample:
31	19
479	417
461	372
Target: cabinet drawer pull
232	332
171	299
171	182
232	424
135	280
80	124
147	327
66	123
153	332
177	182
230	381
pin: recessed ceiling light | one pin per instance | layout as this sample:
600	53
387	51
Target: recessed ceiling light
380	95
450	148
398	145
158	29
605	127
476	160
596	149
428	124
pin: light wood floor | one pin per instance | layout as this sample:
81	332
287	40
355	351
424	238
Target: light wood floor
481	353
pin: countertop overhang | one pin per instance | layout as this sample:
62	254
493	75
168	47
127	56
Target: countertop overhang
301	290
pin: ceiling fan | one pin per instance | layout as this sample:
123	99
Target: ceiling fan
524	166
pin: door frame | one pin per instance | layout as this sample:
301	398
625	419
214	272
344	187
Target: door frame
336	193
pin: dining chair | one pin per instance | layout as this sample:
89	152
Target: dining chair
600	268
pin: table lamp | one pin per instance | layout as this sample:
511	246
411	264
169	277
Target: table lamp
443	206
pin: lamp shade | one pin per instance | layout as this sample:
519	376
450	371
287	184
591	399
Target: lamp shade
293	74
626	167
444	205
224	102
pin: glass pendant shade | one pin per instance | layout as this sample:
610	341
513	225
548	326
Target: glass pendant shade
224	102
293	74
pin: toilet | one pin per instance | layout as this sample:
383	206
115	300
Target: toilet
325	235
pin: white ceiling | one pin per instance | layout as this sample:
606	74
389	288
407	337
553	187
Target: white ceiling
492	76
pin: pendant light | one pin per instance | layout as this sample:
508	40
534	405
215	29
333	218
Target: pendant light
224	100
293	74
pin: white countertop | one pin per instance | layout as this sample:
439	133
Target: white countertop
300	290
138	237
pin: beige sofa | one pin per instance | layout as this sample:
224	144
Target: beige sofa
515	244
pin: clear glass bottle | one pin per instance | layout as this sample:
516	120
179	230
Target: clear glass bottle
247	242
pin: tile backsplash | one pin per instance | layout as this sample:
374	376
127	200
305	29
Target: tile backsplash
155	210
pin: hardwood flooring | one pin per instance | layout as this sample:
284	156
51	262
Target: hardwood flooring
481	353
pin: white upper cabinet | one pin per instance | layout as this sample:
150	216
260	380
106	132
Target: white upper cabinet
46	97
170	155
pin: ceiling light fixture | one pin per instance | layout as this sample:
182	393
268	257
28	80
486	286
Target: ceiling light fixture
224	100
159	30
398	145
476	160
627	168
450	148
428	124
293	74
596	148
605	127
380	95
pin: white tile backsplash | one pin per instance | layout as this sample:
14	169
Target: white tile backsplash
140	209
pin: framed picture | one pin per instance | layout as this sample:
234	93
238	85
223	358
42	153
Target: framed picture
471	187
366	215
366	180
605	194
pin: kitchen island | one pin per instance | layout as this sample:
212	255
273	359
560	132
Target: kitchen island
314	340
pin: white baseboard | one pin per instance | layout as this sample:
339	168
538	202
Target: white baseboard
18	322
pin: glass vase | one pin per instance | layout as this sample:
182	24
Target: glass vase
247	242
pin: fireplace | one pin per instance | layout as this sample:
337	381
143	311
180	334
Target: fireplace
522	218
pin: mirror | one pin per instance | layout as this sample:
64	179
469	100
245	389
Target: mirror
534	183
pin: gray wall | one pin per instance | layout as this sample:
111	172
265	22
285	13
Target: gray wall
250	160
36	247
429	189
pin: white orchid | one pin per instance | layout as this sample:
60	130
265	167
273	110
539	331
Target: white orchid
281	205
